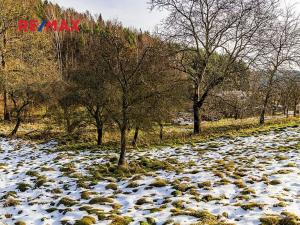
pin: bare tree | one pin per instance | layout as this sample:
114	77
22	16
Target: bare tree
289	91
280	47
204	28
133	73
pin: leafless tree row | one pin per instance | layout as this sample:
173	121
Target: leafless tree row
212	37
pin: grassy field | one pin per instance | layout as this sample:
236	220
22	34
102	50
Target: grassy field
45	130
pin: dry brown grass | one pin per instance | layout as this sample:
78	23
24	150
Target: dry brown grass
44	129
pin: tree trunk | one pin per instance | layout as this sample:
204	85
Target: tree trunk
263	111
295	109
68	121
99	124
123	129
273	110
99	134
287	112
196	109
199	101
135	137
18	123
267	97
161	131
122	160
196	119
236	114
6	114
5	108
262	116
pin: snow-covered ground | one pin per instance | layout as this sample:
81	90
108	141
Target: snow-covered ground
240	180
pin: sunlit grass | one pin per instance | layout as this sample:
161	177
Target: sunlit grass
45	129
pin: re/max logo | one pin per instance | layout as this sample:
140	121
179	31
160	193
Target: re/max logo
53	25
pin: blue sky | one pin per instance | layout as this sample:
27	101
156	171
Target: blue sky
132	13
